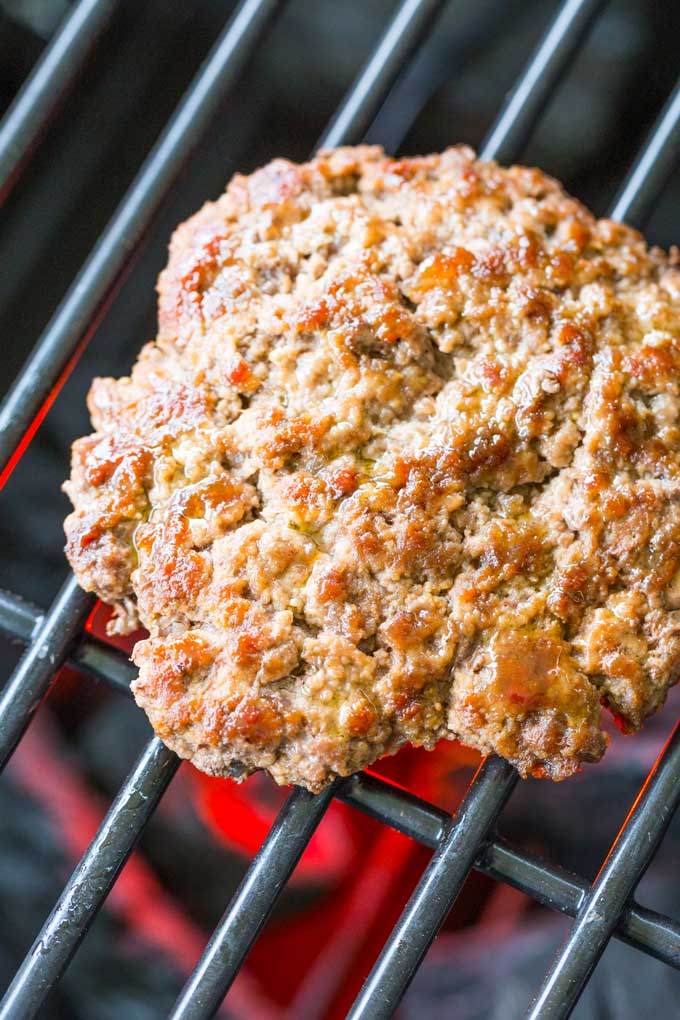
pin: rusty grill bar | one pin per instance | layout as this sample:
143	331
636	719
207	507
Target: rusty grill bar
462	842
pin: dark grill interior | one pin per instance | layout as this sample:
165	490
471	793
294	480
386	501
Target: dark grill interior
465	841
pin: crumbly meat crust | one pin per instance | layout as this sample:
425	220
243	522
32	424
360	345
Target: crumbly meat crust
402	464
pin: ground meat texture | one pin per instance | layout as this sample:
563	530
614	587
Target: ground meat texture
403	463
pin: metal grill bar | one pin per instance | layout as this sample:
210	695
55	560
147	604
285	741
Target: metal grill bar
28	115
482	804
213	976
527	100
207	974
93	657
18	619
650	172
352	116
409	27
55	636
430	904
439	886
31	680
56	352
604	905
253	903
443	878
90	883
552	886
396	807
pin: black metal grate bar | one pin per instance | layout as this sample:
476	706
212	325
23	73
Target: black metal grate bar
18	619
251	906
441	882
439	886
646	825
552	886
650	172
90	883
215	971
387	983
28	115
460	843
534	88
58	631
604	905
357	111
645	929
49	648
56	351
409	27
29	678
90	655
396	807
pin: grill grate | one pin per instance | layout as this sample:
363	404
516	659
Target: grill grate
52	76
462	842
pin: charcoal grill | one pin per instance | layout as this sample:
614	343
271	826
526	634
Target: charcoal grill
462	842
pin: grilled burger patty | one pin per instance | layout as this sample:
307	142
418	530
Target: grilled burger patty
402	464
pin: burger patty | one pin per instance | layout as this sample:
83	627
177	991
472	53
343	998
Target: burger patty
402	464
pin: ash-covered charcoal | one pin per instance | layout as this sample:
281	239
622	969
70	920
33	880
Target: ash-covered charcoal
402	464
114	975
488	974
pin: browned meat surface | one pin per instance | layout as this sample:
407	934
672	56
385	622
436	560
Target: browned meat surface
402	464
